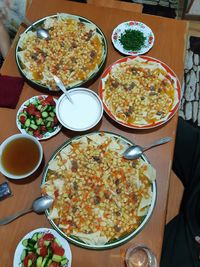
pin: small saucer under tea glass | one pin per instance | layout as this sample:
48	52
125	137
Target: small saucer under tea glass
140	256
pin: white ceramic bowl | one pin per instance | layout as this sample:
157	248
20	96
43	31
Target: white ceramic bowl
35	166
85	112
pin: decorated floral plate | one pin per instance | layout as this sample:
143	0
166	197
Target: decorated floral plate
101	200
133	38
37	117
43	247
140	92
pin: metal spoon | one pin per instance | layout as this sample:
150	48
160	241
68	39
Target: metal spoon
41	32
62	88
135	151
39	205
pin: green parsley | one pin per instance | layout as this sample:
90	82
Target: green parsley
132	40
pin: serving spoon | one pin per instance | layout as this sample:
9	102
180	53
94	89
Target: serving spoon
39	205
60	84
135	151
41	32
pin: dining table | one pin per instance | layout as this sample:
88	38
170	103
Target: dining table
169	47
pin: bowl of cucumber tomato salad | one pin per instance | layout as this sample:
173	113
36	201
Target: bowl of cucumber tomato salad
42	247
37	117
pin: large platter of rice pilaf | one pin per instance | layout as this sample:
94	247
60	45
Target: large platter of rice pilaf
101	200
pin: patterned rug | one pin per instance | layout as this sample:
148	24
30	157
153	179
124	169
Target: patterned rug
190	93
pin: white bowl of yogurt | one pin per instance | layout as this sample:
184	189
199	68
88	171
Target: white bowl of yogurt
83	114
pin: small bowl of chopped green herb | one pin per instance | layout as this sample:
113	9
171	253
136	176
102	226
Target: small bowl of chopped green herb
133	38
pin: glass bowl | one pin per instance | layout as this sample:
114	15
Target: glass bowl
140	256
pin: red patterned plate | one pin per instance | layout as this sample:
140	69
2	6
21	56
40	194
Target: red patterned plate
140	92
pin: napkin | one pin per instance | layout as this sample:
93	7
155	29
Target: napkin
10	90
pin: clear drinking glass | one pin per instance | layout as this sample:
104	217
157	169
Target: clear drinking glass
140	256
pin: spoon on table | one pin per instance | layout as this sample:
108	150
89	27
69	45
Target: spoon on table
135	151
62	88
41	32
39	205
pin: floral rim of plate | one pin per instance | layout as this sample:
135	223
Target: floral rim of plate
134	25
20	247
47	135
137	126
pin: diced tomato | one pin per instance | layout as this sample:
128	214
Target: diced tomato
31	256
31	109
43	251
37	114
22	119
54	245
54	264
37	133
57	249
43	128
26	261
40	242
55	120
52	125
48	237
49	100
40	97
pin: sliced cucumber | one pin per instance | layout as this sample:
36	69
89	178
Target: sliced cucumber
49	119
39	235
56	258
44	108
29	262
33	126
39	262
23	255
52	114
64	261
48	263
45	260
44	114
36	245
31	242
27	123
34	237
48	124
46	242
49	108
21	115
25	242
39	107
29	132
39	121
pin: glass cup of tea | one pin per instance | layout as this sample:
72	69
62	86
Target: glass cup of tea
140	256
20	156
